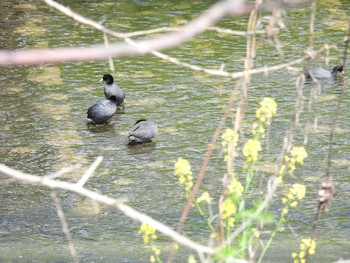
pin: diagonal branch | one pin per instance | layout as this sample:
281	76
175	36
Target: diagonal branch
127	210
99	52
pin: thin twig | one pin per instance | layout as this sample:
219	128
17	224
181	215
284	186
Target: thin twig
89	172
63	171
64	225
110	60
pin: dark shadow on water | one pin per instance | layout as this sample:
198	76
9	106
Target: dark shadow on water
141	148
100	128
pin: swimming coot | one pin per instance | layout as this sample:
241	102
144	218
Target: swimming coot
320	73
102	110
112	89
142	132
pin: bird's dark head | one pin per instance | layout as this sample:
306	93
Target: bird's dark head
113	99
338	68
108	78
140	121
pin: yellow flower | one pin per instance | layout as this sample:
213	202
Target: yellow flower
256	232
176	246
251	150
285	210
182	167
183	170
152	259
228	208
235	187
229	140
284	200
267	109
298	154
155	250
298	190
307	246
148	232
229	135
231	222
205	197
294	204
258	128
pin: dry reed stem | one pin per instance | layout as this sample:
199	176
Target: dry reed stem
326	192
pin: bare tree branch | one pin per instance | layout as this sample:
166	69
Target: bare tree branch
89	171
98	52
127	210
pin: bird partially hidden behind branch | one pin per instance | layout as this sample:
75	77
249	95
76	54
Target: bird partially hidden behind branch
320	73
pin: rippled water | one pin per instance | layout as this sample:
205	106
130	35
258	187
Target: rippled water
43	110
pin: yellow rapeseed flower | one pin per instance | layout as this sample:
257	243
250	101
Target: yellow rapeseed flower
299	154
229	140
176	246
228	208
205	197
228	136
251	150
307	247
267	109
183	170
258	128
231	222
298	191
235	187
155	250
149	232
182	167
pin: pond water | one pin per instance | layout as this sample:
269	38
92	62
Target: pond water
43	128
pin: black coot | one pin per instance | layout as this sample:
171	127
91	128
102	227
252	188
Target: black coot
142	132
102	110
112	89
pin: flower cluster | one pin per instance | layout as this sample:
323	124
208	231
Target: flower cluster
156	253
205	197
251	150
235	188
183	170
296	192
229	139
149	233
268	108
307	247
297	156
228	209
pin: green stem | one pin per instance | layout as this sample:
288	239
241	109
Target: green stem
278	225
208	221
